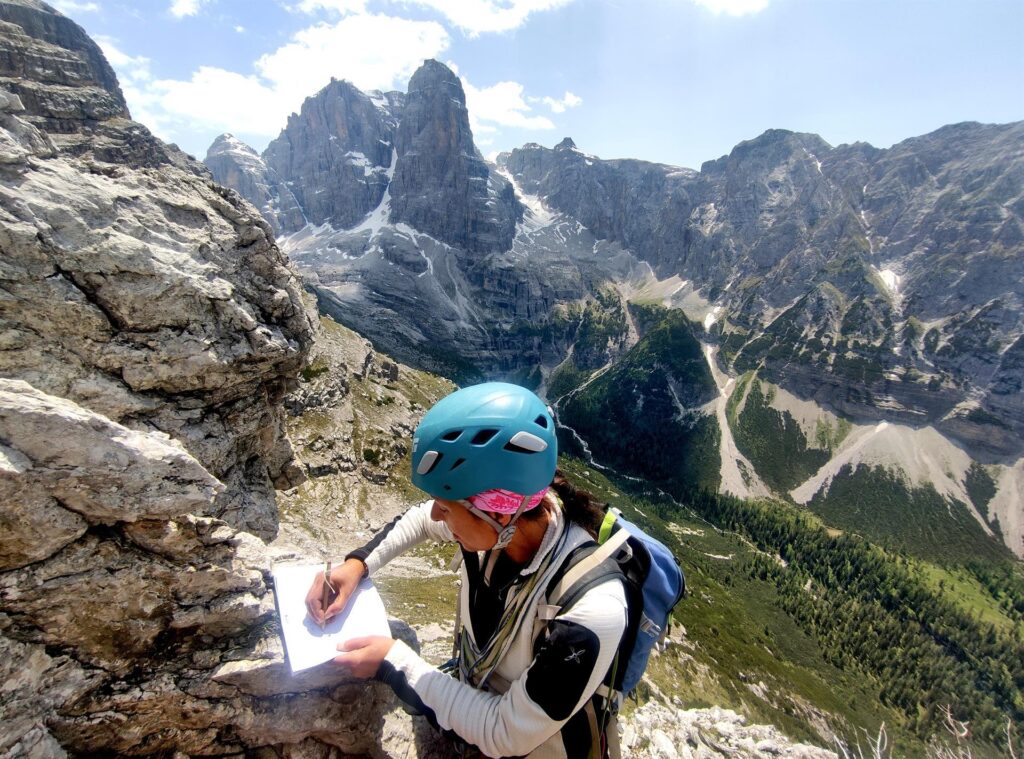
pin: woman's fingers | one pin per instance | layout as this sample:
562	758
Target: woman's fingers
354	644
337	606
363	656
314	598
344	580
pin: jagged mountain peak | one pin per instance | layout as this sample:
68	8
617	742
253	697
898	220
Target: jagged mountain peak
345	90
409	158
227	143
772	147
442	185
566	144
432	74
44	25
336	95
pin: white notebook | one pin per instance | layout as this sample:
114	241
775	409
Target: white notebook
306	645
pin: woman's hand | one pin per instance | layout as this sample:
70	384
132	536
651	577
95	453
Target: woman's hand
362	656
344	579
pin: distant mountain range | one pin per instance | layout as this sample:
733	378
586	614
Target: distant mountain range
871	299
154	336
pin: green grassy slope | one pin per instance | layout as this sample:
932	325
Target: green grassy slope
772	440
641	413
883	507
811	629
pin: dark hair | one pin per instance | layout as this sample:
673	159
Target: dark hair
579	505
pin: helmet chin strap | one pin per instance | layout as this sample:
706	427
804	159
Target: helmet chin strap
505	533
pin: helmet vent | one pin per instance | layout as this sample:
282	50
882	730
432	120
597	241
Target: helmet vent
517	449
451	437
429	461
457	464
483	437
524	442
542	421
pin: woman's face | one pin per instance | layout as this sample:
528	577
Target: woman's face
473	533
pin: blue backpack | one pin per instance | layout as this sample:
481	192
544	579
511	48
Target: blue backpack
653	582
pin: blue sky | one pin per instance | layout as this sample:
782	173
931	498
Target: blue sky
674	81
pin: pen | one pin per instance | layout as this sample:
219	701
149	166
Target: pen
325	598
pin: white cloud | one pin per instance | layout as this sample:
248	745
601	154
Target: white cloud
218	100
344	7
475	17
568	100
182	8
733	7
501	104
130	68
373	52
240	29
67	7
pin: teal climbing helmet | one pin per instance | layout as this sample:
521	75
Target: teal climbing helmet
485	437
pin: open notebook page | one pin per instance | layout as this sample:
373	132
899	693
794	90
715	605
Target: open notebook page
306	645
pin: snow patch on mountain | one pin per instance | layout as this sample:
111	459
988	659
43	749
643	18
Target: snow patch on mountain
378	217
890	279
536	215
711	317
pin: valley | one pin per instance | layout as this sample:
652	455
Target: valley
791	266
763	577
799	365
772	343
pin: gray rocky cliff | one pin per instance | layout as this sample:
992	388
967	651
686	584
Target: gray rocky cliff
149	330
152	296
234	164
45	52
130	626
882	283
622	201
442	185
335	154
68	90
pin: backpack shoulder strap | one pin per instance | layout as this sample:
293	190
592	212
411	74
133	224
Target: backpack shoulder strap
604	551
586	566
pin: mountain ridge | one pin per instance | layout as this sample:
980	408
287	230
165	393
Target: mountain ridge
162	372
835	273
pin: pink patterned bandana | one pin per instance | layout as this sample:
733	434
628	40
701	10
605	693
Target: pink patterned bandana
504	501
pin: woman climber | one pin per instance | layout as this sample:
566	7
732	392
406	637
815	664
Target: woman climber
527	672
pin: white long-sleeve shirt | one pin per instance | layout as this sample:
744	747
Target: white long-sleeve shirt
539	715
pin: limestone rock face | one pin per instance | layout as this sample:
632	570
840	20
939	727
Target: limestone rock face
234	164
595	191
916	249
335	155
55	486
442	184
135	286
149	328
657	731
145	629
44	51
